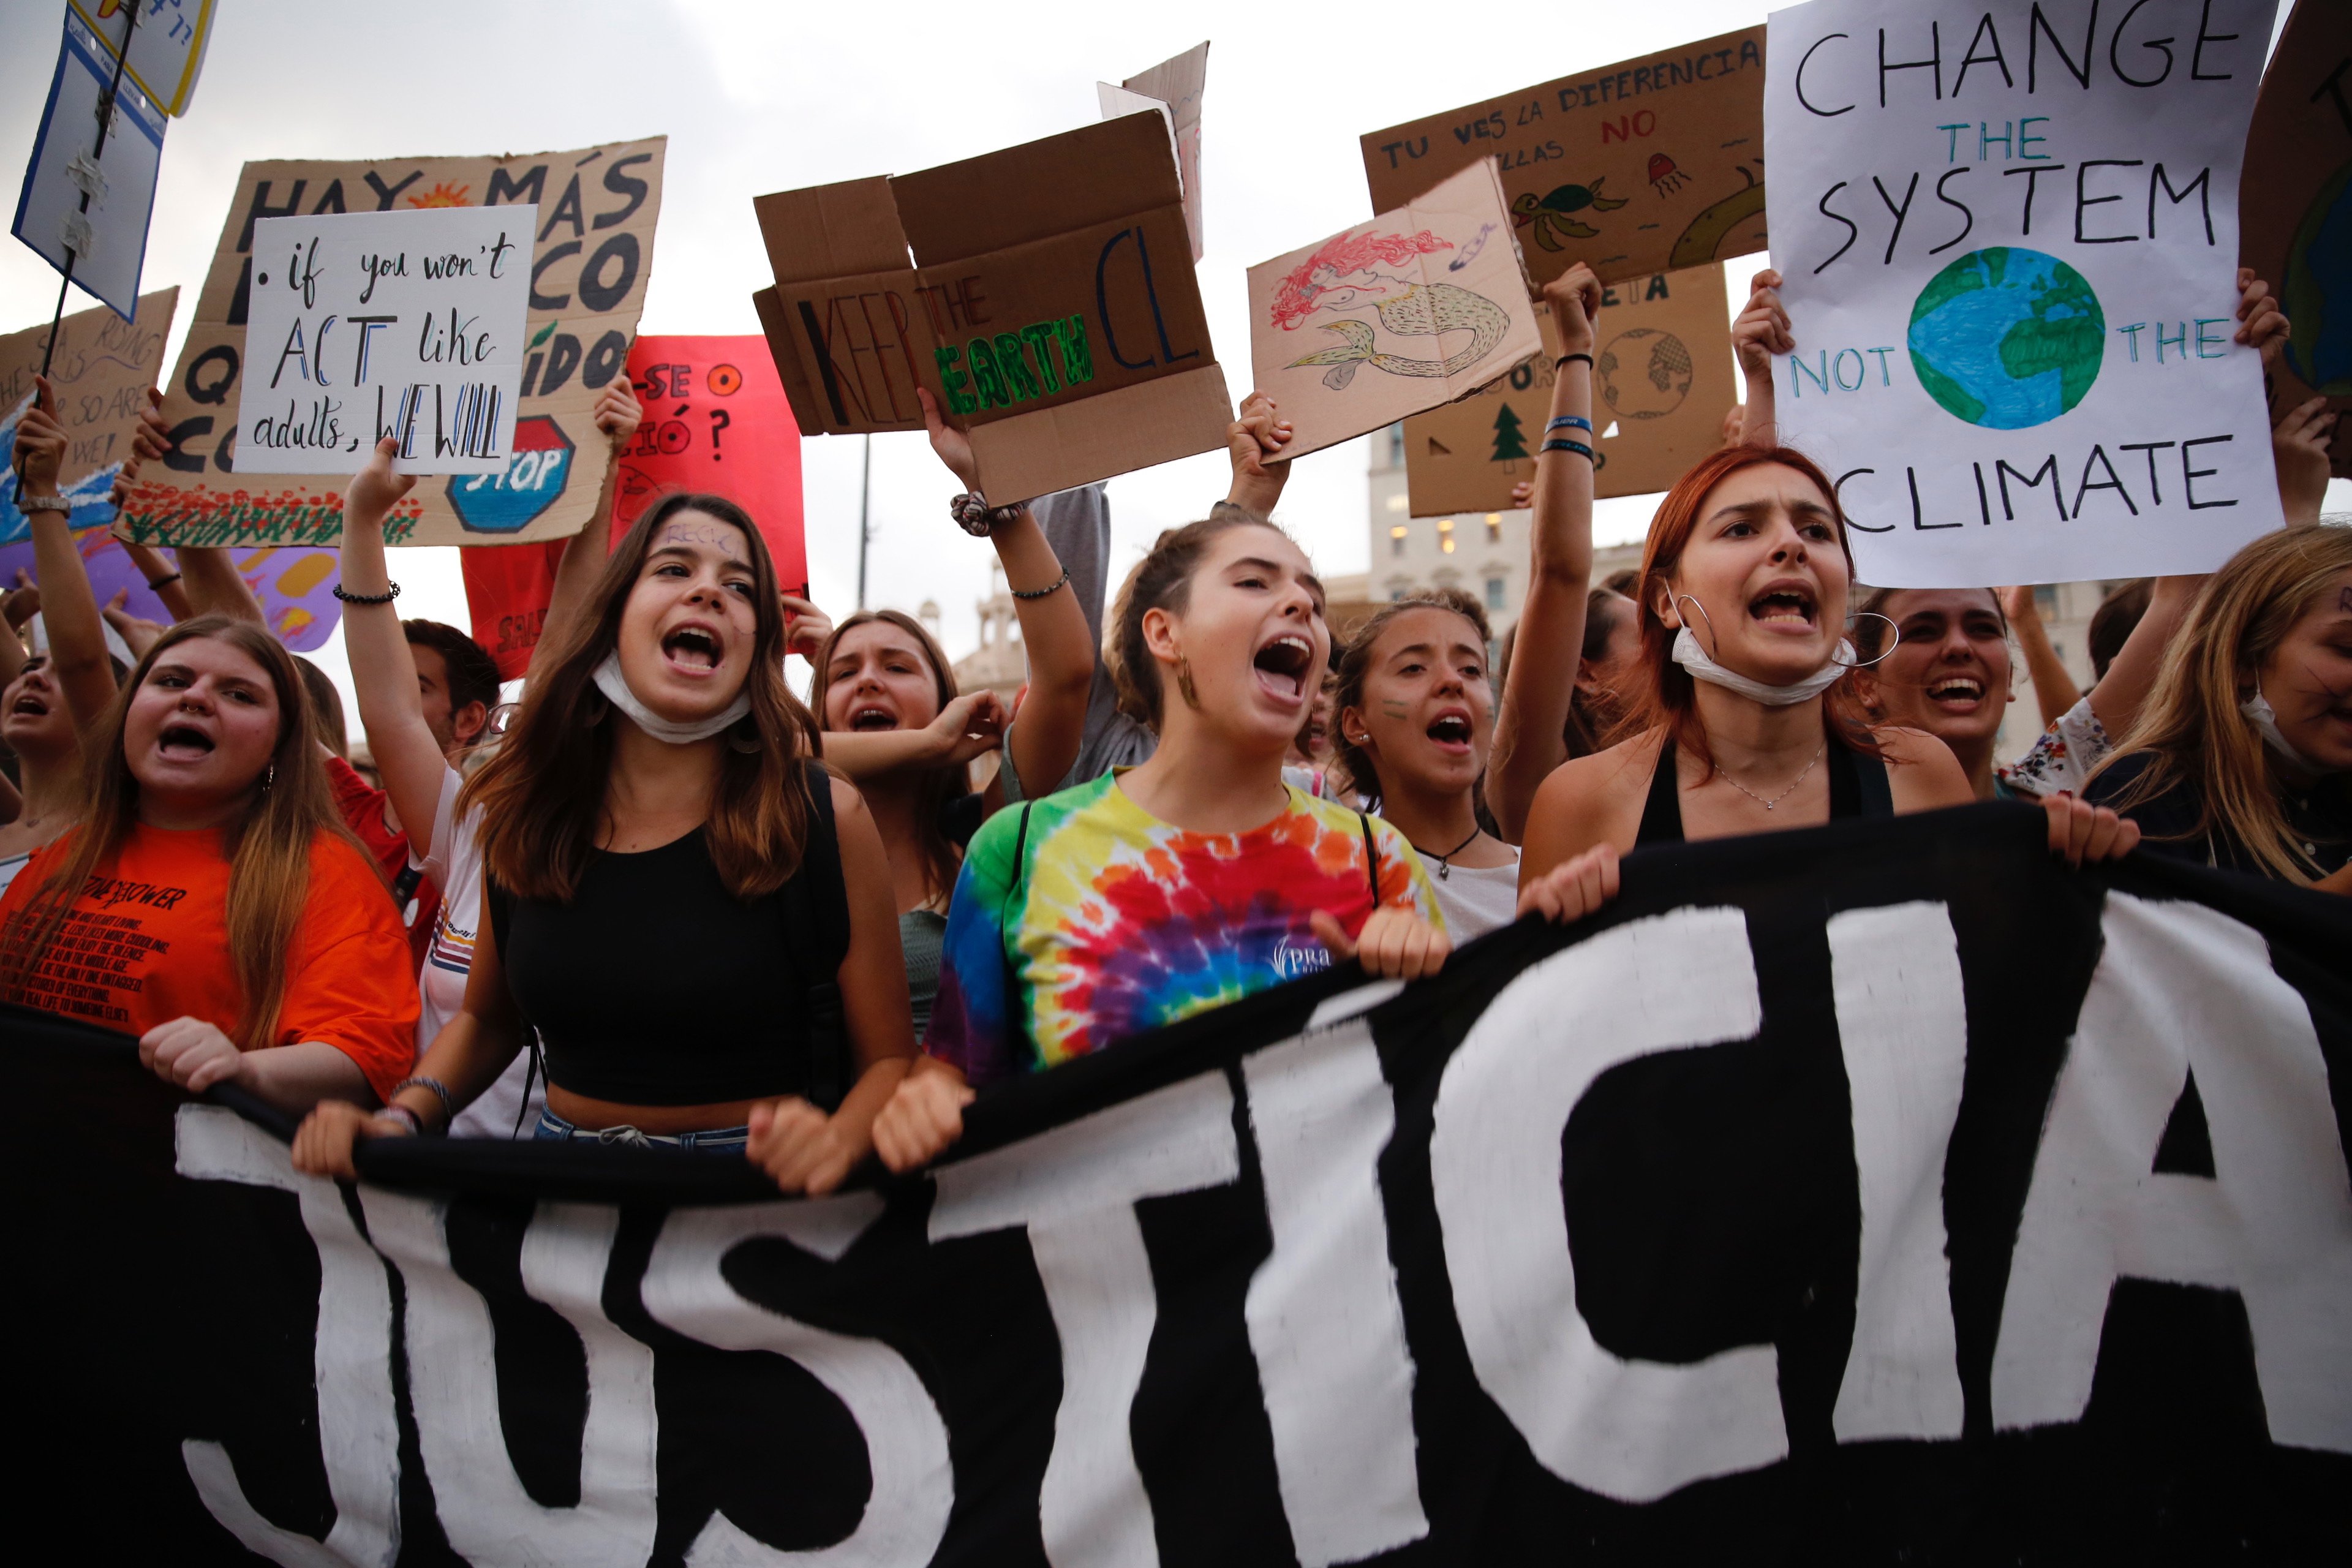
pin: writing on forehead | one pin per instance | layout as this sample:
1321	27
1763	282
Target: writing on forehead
718	536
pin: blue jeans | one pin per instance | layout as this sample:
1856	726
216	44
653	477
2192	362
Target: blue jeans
716	1141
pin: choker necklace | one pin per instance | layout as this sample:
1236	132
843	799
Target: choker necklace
1445	861
1776	800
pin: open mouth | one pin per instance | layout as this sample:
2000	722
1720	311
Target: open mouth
31	706
184	742
1783	606
1450	732
692	647
1955	691
865	719
1282	665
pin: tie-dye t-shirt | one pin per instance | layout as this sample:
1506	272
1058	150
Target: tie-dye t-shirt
1124	922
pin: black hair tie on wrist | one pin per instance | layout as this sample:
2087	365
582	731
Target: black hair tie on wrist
157	585
383	598
1561	363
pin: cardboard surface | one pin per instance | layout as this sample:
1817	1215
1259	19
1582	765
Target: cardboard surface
1390	318
1021	288
592	256
1176	86
106	240
103	370
2295	208
167	50
1648	165
430	304
1663	378
2013	384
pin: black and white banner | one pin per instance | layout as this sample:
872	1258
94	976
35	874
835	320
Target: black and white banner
1884	1193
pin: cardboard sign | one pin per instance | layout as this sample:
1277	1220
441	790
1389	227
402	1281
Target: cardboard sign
104	238
1663	380
167	49
1645	166
2295	208
1426	304
102	370
591	256
1048	306
430	304
717	420
1175	87
2011	248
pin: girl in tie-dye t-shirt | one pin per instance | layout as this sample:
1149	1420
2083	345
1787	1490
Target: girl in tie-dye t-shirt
1113	921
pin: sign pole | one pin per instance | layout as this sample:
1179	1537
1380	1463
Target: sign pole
864	534
105	120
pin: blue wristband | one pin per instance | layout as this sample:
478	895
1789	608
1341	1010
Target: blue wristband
1563	443
1569	422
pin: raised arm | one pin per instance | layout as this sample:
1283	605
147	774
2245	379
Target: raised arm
69	606
1254	444
2054	691
1760	331
384	671
617	415
2131	673
1531	724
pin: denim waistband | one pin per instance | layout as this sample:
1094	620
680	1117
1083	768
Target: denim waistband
716	1141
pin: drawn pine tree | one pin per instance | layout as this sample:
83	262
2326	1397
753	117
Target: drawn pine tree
1509	444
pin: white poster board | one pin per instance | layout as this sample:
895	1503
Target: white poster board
407	324
106	238
2010	236
167	48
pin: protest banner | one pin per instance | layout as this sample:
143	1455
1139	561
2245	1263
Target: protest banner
1648	165
2295	209
1173	88
1439	277
1034	308
590	259
2015	382
1661	382
102	368
1804	1206
716	421
84	207
431	303
167	49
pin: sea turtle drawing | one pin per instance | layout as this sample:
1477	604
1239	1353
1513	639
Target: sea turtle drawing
1549	217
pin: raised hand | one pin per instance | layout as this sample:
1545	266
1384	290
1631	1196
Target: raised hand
1761	330
805	627
1254	444
953	446
40	442
1575	299
375	490
618	414
969	726
2299	450
137	633
2261	323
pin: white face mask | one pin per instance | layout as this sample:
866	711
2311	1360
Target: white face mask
615	686
2264	719
1693	658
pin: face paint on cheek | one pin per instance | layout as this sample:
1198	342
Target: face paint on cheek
1394	708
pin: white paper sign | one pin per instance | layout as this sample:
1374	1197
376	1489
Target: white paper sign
407	324
105	236
167	48
2009	237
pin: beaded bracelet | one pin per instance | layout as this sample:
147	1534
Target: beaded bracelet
1047	590
440	1091
384	598
1567	422
1563	443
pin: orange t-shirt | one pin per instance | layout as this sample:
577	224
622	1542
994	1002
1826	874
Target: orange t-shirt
147	941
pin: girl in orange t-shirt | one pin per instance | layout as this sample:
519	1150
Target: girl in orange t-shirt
213	903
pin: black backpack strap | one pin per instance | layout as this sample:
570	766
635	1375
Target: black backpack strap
1372	855
816	921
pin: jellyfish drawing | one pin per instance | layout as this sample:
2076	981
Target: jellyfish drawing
1664	178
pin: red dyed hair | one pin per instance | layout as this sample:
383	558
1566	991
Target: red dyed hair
1663	691
1347	253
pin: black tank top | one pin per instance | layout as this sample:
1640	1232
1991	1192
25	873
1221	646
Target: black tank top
1858	787
655	986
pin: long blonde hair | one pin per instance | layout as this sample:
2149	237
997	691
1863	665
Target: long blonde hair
268	848
2190	727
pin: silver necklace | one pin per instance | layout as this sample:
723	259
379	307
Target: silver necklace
1776	800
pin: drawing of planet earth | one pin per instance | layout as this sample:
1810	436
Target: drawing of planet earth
1645	373
2318	289
2007	338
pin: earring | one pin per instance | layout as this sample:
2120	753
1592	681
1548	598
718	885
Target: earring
268	777
1677	603
1895	637
1184	683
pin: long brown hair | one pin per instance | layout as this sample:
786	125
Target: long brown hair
2190	727
268	848
941	860
542	796
1664	695
1163	581
1355	664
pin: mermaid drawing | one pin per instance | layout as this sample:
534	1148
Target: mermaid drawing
1340	276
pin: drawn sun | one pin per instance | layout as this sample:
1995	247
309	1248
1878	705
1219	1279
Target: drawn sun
443	194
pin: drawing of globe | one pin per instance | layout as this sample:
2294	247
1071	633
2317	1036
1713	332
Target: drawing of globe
2318	292
2007	338
1645	373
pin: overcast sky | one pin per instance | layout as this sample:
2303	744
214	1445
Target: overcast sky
757	97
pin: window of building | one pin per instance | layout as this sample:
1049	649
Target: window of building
1494	528
1396	539
1397	503
1445	535
1495	593
2045	600
1396	446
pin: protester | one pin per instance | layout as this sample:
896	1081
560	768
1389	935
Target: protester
1537	706
1937	660
1605	660
1744	582
1187	881
1416	711
211	902
893	723
326	710
693	916
2240	756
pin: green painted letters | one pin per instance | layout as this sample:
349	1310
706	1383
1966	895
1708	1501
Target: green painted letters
954	380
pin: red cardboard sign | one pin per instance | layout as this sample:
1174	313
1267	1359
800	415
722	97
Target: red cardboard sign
717	420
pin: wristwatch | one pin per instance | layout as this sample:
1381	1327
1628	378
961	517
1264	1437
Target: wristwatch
43	503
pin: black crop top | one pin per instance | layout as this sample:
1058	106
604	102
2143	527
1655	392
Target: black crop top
655	986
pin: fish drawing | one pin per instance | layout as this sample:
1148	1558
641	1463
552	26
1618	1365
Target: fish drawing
1340	276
